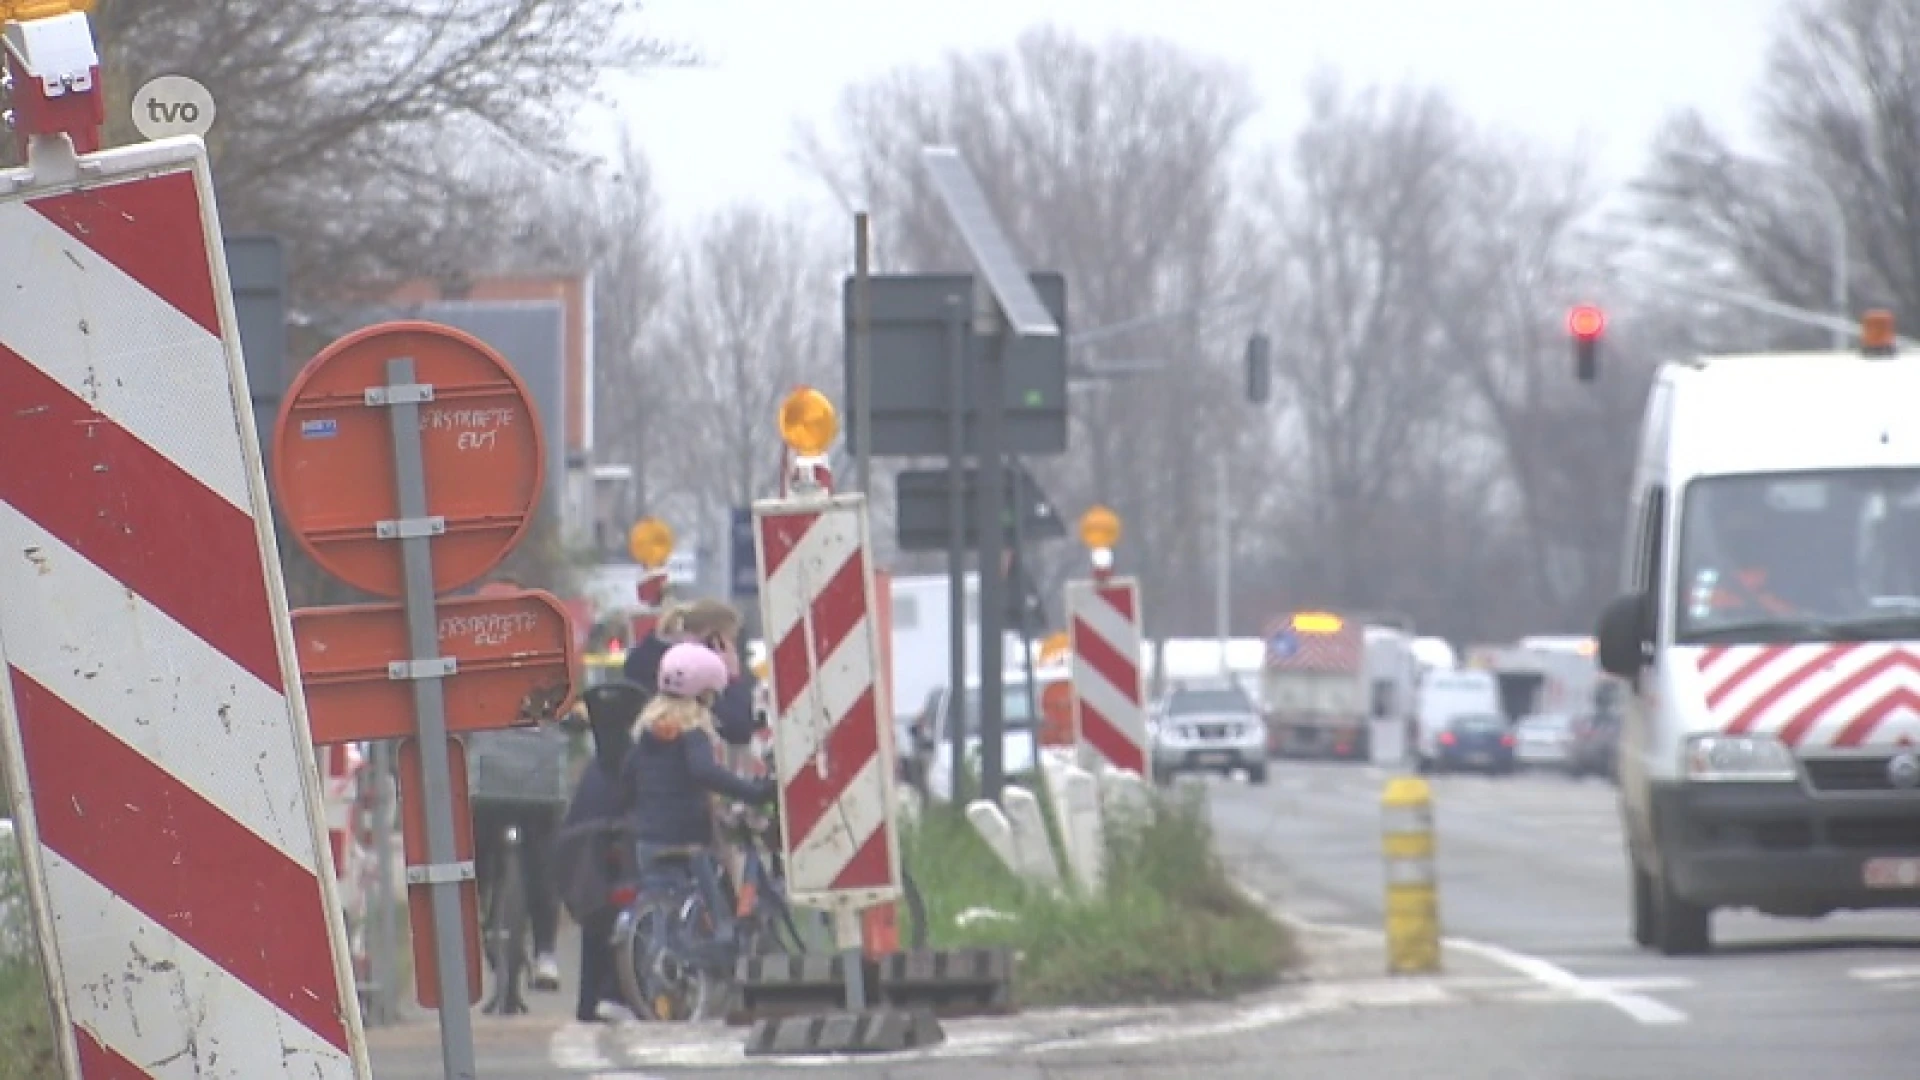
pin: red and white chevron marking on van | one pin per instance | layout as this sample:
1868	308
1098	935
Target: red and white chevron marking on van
1109	701
1842	695
165	785
832	724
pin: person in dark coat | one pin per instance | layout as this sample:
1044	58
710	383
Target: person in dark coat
717	626
589	853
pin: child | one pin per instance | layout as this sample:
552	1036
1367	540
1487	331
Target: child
674	767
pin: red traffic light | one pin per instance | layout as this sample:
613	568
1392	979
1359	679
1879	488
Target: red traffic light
1586	322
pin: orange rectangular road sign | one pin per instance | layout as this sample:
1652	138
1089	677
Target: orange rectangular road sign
515	653
413	841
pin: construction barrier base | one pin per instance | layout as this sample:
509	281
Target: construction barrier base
770	987
949	982
946	983
869	1031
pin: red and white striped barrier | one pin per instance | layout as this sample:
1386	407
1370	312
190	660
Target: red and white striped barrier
164	778
832	722
1109	695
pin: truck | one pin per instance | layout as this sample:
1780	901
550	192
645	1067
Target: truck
1542	674
1768	635
1393	673
1314	693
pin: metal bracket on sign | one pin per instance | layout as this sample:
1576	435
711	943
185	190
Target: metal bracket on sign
401	394
410	528
440	874
433	667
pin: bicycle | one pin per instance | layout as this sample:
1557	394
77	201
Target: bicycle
677	944
514	772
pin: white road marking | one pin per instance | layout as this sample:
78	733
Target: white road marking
576	1048
1895	973
1554	977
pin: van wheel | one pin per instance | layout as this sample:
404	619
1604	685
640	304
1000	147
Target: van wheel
1644	915
1257	774
1683	928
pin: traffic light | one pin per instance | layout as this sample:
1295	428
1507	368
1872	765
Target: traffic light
1586	323
1259	373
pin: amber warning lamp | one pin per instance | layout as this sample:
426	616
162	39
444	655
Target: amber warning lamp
1876	333
1586	323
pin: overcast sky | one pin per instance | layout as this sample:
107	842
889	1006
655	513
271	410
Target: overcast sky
1599	72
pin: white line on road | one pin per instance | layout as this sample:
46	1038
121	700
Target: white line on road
1894	973
1554	977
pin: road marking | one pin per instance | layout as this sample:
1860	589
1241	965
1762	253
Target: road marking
576	1048
1554	977
1896	973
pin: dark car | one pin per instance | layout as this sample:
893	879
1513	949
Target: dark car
1596	738
1476	743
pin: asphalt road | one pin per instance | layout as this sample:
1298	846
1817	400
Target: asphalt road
1541	980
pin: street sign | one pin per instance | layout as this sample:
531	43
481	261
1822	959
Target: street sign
921	503
746	576
1022	308
413	843
920	324
513	652
480	441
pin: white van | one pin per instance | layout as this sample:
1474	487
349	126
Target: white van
1446	696
1771	633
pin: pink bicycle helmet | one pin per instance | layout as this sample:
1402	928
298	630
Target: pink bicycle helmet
689	670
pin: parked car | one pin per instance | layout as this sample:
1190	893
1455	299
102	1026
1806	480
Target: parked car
1595	741
1544	741
932	767
1477	742
1208	727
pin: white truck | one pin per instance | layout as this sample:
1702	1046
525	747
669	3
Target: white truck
1769	632
1393	672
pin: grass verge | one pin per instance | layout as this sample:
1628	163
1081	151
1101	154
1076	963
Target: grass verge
26	1030
1170	925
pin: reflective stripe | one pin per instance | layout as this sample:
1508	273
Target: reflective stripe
1406	819
1402	872
1407	846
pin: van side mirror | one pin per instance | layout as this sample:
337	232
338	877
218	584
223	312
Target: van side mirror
1623	636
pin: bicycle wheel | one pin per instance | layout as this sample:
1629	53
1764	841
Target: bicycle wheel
507	934
656	980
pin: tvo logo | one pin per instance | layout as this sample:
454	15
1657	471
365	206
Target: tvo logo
172	105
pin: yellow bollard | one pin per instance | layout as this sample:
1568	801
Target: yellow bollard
1413	909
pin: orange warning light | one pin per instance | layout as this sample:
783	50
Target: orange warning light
1586	322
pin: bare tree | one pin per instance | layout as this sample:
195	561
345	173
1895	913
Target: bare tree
373	134
1358	226
748	315
1840	147
1109	161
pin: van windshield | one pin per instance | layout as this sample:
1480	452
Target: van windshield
1800	556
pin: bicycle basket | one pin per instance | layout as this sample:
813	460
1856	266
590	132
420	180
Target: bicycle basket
519	765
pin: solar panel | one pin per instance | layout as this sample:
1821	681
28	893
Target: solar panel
993	256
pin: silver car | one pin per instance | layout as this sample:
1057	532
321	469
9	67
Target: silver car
1213	727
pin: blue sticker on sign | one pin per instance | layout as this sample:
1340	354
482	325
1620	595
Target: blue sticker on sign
319	429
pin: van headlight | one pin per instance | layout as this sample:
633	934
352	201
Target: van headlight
1742	758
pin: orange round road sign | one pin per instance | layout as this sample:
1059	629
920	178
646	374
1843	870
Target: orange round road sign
480	440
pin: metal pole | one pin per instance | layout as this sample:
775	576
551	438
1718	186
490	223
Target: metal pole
1020	502
957	543
992	536
386	967
442	873
1839	226
1223	570
862	353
